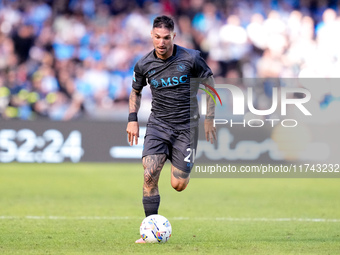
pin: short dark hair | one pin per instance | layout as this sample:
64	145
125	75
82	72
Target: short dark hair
164	21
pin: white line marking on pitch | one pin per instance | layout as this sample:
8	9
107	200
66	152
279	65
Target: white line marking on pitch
30	217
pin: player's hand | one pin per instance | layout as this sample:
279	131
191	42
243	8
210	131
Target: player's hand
210	130
133	132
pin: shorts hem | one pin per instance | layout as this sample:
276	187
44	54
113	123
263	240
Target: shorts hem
150	154
180	168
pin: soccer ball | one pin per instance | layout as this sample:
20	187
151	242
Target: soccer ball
155	229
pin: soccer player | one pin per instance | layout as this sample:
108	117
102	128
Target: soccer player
172	128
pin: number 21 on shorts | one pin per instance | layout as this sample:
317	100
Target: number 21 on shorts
191	156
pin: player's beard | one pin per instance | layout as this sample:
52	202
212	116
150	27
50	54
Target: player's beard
164	52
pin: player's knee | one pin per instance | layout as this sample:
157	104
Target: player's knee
180	188
179	185
179	179
149	180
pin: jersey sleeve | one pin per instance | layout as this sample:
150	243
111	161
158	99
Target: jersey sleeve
202	70
138	80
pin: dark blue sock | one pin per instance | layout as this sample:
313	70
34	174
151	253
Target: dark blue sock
151	205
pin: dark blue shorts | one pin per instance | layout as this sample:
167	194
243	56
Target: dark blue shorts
179	145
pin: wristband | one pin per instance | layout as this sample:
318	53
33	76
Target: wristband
209	117
132	117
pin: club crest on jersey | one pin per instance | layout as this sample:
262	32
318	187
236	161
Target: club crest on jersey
154	83
181	67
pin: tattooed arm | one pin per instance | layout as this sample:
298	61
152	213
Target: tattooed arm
134	105
210	130
134	100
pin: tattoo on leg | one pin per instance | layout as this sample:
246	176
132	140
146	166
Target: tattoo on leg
179	174
153	165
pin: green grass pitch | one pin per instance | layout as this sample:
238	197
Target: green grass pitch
97	209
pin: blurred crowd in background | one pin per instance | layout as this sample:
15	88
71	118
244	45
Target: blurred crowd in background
74	59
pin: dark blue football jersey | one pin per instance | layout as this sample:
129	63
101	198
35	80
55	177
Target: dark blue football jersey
169	82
